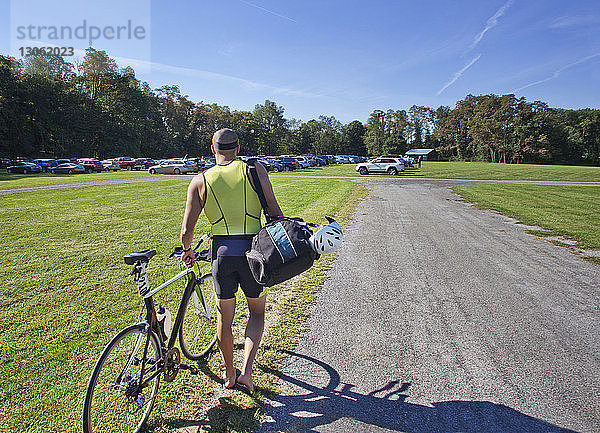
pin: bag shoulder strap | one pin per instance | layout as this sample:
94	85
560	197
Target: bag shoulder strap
251	169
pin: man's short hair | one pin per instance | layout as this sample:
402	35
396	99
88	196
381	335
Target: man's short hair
225	139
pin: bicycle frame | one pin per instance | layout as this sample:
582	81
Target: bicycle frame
151	322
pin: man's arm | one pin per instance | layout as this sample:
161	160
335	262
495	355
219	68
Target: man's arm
272	206
193	208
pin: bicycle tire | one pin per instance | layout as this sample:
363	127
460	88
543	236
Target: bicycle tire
126	409
198	331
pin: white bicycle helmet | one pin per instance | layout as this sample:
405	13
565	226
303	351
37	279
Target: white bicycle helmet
328	238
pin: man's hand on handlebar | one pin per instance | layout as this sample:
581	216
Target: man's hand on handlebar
188	258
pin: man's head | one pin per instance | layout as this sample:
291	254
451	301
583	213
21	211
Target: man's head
226	142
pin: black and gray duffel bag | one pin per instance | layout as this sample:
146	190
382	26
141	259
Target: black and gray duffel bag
281	249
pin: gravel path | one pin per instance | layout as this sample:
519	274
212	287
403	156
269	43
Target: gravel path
439	317
55	186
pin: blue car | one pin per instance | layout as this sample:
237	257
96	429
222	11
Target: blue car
46	164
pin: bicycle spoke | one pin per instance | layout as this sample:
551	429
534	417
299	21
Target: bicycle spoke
122	405
114	411
106	404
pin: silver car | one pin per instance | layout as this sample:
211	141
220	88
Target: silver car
110	165
171	166
391	166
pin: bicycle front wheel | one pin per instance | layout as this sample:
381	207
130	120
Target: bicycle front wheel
114	401
198	332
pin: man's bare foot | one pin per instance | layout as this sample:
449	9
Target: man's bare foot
246	382
229	381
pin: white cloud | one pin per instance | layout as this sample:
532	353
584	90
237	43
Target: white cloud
491	23
268	11
209	75
556	73
575	21
457	75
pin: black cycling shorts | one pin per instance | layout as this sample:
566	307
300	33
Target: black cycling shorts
230	269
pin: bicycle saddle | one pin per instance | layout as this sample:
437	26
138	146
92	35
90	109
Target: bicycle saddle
143	256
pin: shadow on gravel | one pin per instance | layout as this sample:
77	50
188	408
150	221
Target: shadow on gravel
319	398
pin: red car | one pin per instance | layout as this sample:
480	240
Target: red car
128	163
91	164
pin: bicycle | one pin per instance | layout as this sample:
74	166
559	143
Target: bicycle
124	383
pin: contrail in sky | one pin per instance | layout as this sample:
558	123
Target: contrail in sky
268	11
457	75
491	23
556	73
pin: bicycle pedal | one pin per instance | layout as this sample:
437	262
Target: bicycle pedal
193	370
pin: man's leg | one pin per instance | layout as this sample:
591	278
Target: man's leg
225	313
254	330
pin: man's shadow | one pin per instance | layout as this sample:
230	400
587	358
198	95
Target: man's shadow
320	399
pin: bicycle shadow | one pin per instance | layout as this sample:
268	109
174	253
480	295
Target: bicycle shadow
314	405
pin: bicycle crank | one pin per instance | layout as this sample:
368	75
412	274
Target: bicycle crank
171	368
193	370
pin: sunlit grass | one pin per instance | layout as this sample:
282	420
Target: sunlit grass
573	212
11	181
471	170
65	290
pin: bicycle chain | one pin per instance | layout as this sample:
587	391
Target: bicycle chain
171	368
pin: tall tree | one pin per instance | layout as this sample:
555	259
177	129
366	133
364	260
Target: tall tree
353	138
375	136
270	123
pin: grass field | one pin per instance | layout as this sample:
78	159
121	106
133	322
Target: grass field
65	292
474	170
572	212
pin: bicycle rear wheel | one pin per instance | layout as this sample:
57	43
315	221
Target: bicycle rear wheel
113	400
198	332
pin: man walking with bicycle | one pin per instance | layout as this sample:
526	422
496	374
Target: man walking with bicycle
227	195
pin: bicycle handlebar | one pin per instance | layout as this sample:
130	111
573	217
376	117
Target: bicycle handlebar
200	255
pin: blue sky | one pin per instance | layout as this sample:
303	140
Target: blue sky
347	58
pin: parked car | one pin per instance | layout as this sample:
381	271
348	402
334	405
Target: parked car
24	168
146	162
45	164
173	166
68	168
5	162
302	161
209	162
288	163
194	163
274	165
391	166
110	165
128	163
91	164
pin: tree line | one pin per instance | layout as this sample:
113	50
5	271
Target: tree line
52	108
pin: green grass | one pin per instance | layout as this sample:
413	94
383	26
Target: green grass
569	211
486	171
65	292
473	170
11	181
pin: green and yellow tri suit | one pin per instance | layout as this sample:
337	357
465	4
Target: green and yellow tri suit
231	204
233	210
